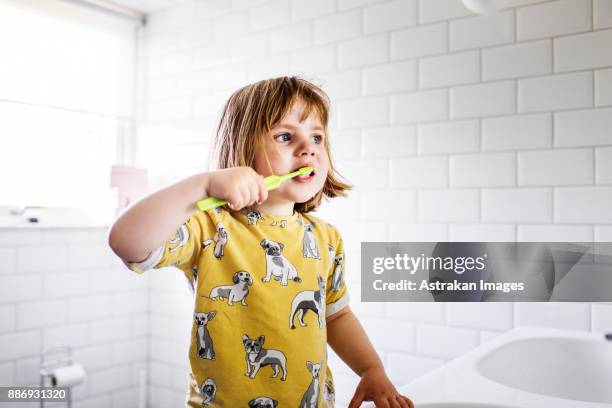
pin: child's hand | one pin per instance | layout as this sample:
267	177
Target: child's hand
240	186
375	386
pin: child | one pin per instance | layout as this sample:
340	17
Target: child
268	277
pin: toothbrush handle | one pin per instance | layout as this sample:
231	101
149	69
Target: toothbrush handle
210	202
271	182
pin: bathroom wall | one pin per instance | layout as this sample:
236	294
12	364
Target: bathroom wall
451	126
63	287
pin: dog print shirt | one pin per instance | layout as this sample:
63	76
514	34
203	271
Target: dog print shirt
263	287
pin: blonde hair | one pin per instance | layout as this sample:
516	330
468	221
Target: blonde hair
251	112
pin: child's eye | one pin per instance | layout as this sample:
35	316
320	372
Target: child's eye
318	138
287	135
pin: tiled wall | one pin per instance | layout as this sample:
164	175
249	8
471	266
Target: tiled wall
452	126
64	287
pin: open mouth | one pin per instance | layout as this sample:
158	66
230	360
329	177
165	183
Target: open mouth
304	177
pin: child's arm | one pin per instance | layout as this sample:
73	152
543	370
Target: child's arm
144	226
350	342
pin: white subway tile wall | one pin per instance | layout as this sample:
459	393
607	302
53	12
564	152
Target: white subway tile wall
590	50
66	287
553	18
517	60
602	14
459	127
603	87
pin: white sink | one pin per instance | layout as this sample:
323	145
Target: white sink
526	367
570	368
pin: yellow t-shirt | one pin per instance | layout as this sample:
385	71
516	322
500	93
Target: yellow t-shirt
263	287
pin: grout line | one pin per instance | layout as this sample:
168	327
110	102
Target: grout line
592	12
480	66
417	72
516	169
515	22
480	206
516	232
552	129
516	97
594	151
448	38
594	88
481	134
552	205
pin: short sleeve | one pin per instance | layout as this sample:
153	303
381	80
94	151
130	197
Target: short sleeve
182	249
337	296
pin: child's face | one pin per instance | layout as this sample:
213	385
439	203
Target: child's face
291	145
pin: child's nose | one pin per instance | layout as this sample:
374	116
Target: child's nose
306	149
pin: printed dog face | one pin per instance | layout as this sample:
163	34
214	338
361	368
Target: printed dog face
253	216
339	259
243	276
321	282
202	319
272	248
208	388
315	369
263	402
252	346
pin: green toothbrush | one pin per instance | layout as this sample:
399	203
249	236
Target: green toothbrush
272	182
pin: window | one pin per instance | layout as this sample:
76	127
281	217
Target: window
66	104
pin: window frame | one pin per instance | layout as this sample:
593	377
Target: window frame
29	216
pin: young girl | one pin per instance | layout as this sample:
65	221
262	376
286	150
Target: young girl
268	277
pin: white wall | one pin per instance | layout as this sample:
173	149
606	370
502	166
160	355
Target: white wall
64	287
452	126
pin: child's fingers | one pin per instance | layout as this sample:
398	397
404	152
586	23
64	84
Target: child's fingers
381	402
356	400
253	193
231	199
408	402
394	401
263	191
401	401
238	198
243	196
247	195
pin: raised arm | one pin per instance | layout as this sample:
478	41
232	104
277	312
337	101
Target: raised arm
147	223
